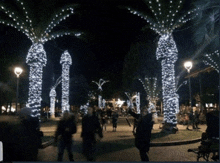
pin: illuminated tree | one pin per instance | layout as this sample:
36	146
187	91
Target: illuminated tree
39	29
53	95
164	17
152	89
66	61
206	33
212	59
100	84
206	27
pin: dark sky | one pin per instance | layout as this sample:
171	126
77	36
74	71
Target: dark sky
109	31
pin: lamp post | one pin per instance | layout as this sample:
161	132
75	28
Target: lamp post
18	72
188	66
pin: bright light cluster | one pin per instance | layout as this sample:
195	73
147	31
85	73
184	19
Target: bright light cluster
166	15
53	95
151	88
36	59
212	59
22	22
167	53
66	61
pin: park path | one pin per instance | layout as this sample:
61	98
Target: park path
119	146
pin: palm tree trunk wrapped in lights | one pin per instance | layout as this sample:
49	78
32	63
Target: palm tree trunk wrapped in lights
36	59
164	19
66	61
28	20
167	53
53	95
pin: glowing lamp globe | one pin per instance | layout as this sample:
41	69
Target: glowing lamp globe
188	65
18	71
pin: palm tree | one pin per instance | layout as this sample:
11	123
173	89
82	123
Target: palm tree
206	26
212	59
31	20
152	89
206	33
164	17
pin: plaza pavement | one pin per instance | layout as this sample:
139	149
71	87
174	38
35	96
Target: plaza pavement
119	146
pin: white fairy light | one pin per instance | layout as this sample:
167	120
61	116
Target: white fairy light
66	61
167	52
151	88
212	59
22	22
52	102
100	84
36	59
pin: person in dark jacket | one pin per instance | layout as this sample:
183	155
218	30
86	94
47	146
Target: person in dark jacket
114	120
90	126
191	120
63	135
143	132
197	114
103	119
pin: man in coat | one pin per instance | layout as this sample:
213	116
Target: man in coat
63	135
90	127
143	132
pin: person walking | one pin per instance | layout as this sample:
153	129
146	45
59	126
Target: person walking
114	120
103	119
63	135
197	114
143	132
90	128
191	121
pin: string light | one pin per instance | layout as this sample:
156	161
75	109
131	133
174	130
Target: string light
66	61
36	59
20	20
211	60
166	50
100	84
53	95
167	53
152	90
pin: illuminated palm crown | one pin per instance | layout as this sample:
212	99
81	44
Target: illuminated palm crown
37	27
212	59
165	15
151	87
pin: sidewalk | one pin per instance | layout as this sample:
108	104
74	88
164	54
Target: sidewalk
123	127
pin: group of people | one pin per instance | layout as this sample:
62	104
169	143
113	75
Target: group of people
92	130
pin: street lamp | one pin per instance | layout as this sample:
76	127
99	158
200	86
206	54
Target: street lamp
18	72
188	66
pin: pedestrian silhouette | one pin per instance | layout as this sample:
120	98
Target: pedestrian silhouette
90	128
103	119
114	120
191	121
143	132
63	135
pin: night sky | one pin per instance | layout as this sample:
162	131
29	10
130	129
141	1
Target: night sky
108	29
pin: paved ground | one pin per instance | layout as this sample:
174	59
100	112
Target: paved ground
119	146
